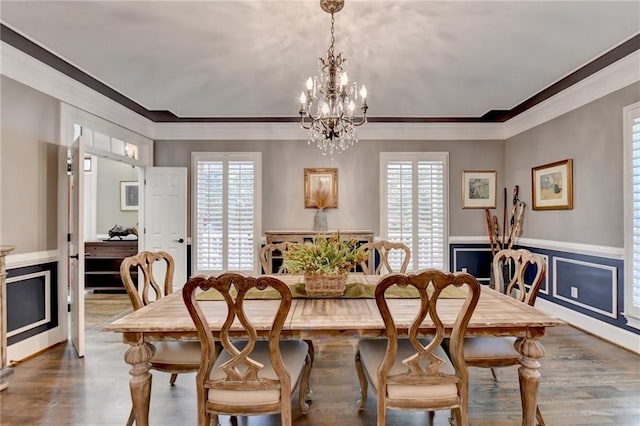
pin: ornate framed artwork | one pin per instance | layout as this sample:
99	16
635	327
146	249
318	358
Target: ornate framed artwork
128	195
552	186
320	188
479	189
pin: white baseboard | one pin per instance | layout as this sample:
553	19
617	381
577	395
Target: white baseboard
26	348
605	331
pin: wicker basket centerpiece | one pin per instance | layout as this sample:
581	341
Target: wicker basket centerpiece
325	263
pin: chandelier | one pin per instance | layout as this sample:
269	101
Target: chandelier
329	102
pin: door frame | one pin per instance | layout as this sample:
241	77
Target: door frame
70	117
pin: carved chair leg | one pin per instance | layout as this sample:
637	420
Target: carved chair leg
304	386
539	418
132	417
172	379
363	383
311	353
494	373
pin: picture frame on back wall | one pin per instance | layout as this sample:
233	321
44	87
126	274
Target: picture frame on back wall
128	195
323	182
552	186
479	189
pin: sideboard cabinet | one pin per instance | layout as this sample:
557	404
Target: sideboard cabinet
275	237
102	261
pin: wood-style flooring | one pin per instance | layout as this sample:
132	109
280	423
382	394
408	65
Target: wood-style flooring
585	381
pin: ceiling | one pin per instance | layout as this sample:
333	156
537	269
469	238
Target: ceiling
251	58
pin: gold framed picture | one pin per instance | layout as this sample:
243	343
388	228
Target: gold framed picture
479	189
320	188
552	186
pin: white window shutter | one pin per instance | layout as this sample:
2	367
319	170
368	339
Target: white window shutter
414	207
226	223
632	214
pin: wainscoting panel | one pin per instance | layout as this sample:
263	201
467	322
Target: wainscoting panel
474	258
32	301
586	284
588	280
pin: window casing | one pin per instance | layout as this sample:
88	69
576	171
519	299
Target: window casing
226	212
414	206
632	213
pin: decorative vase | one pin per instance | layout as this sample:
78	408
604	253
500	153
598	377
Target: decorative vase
320	221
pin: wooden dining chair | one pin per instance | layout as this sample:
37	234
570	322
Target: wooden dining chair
266	256
519	274
171	356
386	253
417	373
248	377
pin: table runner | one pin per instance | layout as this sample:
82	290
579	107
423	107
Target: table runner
357	287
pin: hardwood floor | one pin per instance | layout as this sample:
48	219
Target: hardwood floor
585	381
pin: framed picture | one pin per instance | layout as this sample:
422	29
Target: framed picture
128	195
552	186
478	189
320	188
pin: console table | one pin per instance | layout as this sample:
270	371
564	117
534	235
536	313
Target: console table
275	237
102	263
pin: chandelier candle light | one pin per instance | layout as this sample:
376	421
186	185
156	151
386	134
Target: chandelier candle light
332	128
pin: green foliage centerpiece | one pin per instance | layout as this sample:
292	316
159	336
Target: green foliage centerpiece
325	263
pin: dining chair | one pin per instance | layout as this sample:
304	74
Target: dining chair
386	253
171	356
251	376
519	274
266	256
416	373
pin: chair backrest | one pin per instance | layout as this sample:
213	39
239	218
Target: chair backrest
386	250
266	253
423	367
518	269
144	261
242	373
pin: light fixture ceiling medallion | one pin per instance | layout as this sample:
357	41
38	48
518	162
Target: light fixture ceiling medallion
329	102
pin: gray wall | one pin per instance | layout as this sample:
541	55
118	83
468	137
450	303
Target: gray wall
592	136
29	176
109	175
283	164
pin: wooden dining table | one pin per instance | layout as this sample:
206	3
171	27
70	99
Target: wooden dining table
309	318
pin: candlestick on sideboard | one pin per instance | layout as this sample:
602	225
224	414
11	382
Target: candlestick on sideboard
5	371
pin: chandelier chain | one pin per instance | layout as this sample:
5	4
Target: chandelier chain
333	39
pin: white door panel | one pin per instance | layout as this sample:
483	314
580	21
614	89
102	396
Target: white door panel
75	230
165	218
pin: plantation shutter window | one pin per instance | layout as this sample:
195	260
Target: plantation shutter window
225	217
414	206
632	213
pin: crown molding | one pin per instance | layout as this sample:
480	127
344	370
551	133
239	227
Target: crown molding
616	76
20	66
24	69
292	131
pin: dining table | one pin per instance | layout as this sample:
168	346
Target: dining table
334	317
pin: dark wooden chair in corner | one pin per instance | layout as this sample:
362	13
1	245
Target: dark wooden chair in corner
249	377
172	357
385	250
413	373
519	274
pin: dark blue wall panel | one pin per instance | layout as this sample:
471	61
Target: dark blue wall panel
599	280
26	301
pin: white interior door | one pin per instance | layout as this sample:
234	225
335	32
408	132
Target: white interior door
165	217
75	224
